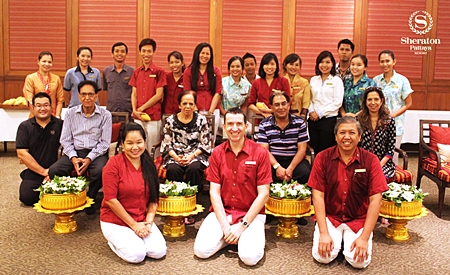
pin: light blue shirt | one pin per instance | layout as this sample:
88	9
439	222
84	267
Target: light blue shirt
233	96
81	132
74	76
395	93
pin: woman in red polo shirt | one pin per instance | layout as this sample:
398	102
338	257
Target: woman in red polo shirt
131	193
206	80
269	82
174	85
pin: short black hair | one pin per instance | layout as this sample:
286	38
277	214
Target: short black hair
235	111
265	60
88	82
249	55
147	41
346	41
118	44
41	95
278	93
185	92
322	56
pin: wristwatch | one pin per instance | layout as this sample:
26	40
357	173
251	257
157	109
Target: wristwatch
276	166
244	223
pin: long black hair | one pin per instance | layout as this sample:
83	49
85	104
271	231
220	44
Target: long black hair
195	68
149	172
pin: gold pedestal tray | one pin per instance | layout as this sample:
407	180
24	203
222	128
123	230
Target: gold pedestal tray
174	225
287	228
64	222
397	230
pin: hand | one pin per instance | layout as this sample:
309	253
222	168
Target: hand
362	249
77	162
314	116
326	245
210	112
84	166
288	174
141	229
233	235
137	114
280	172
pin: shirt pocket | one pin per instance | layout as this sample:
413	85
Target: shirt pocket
360	184
250	174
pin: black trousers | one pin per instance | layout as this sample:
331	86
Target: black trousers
64	167
321	133
30	182
194	172
300	173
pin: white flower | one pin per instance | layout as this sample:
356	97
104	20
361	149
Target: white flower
408	196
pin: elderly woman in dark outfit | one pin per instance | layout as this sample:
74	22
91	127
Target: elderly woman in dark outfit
186	142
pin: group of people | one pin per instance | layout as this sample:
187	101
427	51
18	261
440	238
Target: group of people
341	113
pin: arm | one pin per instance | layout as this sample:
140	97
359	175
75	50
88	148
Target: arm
326	244
280	171
217	205
390	142
136	113
361	244
244	106
151	212
214	102
67	87
236	230
152	101
105	139
59	98
408	104
28	91
299	156
31	163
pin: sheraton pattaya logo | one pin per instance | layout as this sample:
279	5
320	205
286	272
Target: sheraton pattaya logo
420	23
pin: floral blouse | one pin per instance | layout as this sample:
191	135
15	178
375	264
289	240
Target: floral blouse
185	139
381	142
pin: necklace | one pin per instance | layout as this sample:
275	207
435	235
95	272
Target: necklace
46	83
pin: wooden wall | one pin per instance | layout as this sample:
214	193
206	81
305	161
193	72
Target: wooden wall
232	27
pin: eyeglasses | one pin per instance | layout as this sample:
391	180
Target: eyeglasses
277	105
40	106
90	95
374	88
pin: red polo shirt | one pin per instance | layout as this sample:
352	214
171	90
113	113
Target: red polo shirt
261	91
171	91
146	81
347	188
239	176
204	95
123	182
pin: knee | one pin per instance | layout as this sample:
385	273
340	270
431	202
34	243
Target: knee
356	264
321	259
135	257
250	258
202	252
158	253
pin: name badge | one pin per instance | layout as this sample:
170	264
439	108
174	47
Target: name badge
394	87
250	162
91	76
126	78
275	90
362	89
180	86
329	83
360	170
152	75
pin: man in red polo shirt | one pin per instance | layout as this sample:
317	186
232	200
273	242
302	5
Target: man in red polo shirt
148	83
240	174
347	183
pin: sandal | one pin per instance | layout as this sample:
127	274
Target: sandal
189	220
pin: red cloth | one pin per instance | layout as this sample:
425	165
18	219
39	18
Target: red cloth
261	92
204	96
239	176
146	81
171	92
123	182
347	190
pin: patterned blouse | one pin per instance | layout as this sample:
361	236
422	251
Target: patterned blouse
185	139
381	142
354	92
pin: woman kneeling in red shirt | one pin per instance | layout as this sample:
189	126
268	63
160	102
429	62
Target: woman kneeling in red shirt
131	193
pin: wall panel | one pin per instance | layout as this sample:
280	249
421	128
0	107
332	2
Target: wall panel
442	62
31	31
180	26
251	26
320	25
103	23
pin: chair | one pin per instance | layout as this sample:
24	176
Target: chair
158	159
118	119
430	164
402	174
258	118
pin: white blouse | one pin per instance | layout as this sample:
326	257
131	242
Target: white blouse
326	96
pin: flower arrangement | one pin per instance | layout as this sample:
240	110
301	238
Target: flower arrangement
176	188
399	193
63	185
292	190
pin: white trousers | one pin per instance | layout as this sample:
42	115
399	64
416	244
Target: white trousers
129	246
152	130
337	234
251	243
